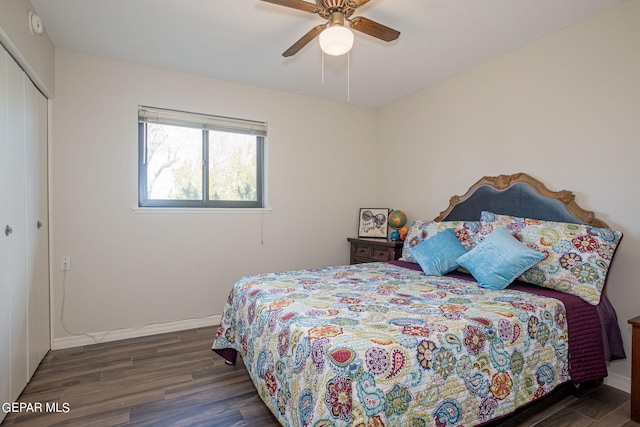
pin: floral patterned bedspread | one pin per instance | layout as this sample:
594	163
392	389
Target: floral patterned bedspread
381	345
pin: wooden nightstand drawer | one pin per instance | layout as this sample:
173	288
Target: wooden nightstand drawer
362	251
380	254
372	250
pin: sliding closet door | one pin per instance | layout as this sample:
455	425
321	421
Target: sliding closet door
5	330
42	225
15	192
24	253
37	255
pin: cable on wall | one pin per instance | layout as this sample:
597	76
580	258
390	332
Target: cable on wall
262	227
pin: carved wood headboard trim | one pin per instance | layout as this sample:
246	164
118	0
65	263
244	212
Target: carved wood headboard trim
502	182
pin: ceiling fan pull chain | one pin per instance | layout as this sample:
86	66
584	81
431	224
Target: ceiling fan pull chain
348	76
322	66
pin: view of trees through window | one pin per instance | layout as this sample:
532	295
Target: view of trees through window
174	162
199	160
178	161
232	166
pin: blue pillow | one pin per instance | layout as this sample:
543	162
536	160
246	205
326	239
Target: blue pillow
437	255
499	259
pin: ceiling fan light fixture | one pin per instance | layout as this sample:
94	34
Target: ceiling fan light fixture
336	40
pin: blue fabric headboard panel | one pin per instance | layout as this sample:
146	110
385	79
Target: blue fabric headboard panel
520	199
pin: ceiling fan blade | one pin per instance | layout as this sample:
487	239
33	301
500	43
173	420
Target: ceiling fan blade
296	4
374	29
304	40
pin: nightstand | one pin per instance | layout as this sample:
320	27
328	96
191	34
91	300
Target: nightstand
373	250
635	370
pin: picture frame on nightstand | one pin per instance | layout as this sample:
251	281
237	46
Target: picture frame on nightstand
373	223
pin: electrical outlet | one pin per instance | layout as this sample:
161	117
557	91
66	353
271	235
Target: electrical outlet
65	263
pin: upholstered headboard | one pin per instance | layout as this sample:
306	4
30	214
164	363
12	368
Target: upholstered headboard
517	195
524	196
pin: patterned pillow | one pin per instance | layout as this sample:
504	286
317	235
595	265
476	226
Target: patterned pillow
576	256
421	230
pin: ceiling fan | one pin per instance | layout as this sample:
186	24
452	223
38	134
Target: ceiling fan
335	37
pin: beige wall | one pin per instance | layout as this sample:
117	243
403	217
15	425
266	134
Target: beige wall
34	53
565	109
135	269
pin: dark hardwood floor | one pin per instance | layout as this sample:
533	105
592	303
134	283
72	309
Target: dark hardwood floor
175	379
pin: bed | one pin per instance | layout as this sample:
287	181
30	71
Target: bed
444	336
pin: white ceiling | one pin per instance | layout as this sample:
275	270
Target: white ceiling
243	40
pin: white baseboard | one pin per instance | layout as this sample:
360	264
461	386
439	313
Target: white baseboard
618	381
143	331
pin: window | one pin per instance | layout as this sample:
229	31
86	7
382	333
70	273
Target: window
197	160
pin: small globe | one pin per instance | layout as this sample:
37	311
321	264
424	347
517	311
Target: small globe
397	219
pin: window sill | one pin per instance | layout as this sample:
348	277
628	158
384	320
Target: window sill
146	210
